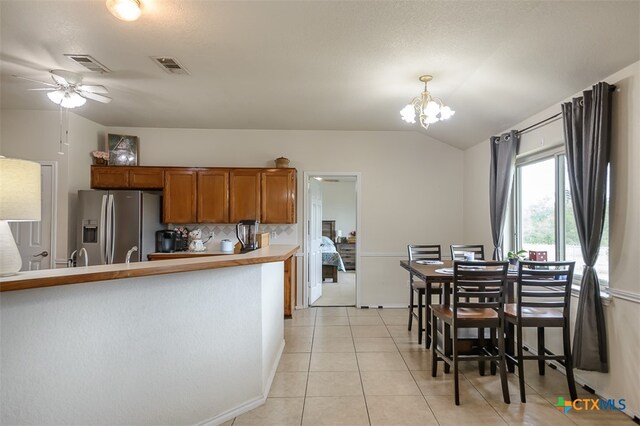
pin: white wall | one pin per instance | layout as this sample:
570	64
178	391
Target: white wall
623	325
35	135
339	204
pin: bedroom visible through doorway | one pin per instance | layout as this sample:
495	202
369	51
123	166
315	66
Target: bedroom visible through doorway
338	243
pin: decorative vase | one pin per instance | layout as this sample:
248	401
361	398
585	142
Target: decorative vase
282	163
100	162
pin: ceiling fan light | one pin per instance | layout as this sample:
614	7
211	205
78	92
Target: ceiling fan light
126	10
408	113
72	100
56	96
430	119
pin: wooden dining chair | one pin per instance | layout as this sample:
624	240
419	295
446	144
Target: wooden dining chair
458	250
484	284
543	295
421	289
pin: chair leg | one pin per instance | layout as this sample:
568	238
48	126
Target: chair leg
541	350
456	384
494	344
434	355
420	321
523	398
427	315
568	362
503	366
410	305
482	345
447	346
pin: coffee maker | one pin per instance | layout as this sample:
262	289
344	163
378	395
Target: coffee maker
166	241
247	231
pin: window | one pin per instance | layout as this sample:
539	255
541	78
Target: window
544	218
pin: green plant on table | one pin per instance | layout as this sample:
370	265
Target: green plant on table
517	255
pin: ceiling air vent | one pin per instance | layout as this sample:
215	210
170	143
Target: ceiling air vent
88	62
170	65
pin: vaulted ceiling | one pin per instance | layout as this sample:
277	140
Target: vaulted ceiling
320	65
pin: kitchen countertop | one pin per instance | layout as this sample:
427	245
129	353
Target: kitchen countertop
78	275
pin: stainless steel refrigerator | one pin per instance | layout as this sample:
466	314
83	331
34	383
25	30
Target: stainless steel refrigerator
110	223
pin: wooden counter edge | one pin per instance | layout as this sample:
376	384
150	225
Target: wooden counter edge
23	281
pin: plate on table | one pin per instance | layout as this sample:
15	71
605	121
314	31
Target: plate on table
447	271
429	262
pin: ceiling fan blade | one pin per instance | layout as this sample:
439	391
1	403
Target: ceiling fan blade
44	88
93	88
95	96
35	81
66	78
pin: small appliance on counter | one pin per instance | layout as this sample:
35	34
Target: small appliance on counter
226	246
166	241
247	231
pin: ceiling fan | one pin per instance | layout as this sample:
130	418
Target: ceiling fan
68	91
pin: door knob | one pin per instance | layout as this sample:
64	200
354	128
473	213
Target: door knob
43	254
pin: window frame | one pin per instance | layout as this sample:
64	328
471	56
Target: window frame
559	155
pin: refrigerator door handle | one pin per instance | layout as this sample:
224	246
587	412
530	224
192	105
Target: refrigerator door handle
113	227
102	238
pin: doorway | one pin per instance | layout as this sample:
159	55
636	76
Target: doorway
36	240
331	238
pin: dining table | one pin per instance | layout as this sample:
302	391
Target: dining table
440	273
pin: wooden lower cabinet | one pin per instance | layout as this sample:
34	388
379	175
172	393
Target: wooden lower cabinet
290	286
244	195
180	192
213	196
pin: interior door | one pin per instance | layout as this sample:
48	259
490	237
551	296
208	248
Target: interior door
34	238
315	241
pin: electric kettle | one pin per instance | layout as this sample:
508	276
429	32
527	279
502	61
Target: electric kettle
247	231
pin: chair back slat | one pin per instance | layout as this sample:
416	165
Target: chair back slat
479	285
544	285
424	252
458	250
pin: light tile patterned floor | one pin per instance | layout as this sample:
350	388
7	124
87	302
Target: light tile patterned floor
346	366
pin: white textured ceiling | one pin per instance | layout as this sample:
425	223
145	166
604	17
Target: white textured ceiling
320	65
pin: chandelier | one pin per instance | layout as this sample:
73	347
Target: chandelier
428	109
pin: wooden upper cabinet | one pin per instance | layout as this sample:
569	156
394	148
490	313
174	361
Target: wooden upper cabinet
179	199
146	177
244	194
109	177
213	196
278	204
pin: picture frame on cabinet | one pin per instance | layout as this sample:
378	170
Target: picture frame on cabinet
123	149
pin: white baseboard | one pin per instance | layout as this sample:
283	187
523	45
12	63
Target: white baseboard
252	403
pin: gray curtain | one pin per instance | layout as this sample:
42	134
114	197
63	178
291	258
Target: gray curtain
503	161
587	132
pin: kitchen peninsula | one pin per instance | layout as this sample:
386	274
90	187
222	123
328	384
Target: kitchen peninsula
171	341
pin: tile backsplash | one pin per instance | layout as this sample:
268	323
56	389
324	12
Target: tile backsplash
280	234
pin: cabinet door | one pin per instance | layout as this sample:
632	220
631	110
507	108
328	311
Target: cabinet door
109	177
278	196
179	199
244	194
213	196
146	178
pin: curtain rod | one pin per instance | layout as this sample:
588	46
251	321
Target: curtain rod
539	123
612	88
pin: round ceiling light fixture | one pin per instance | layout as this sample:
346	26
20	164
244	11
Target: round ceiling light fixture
126	10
